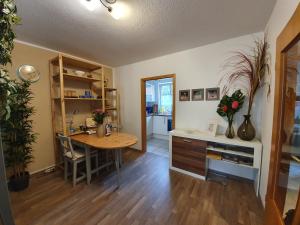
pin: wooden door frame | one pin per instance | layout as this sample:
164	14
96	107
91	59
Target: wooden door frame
289	36
143	105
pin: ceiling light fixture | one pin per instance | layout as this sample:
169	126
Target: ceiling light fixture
107	4
115	9
91	5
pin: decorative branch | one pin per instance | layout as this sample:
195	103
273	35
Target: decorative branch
251	68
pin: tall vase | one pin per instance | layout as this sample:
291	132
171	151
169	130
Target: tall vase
246	131
230	131
100	130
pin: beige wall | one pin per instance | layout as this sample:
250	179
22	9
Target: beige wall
43	149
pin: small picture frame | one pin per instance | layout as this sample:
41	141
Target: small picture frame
184	95
212	94
212	128
198	94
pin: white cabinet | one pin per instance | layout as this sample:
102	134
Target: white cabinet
149	120
160	125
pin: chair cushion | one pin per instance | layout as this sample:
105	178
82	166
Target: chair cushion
77	155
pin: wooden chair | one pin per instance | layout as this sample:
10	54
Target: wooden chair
74	157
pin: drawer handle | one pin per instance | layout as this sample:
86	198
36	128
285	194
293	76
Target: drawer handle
187	141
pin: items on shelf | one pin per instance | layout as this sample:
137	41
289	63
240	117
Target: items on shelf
230	153
230	158
75	79
214	156
82	74
87	94
70	94
79	73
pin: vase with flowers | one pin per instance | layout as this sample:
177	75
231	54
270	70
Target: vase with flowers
250	68
98	117
228	106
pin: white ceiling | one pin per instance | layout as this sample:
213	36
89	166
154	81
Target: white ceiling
152	27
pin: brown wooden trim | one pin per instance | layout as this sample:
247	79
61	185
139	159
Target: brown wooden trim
285	40
143	105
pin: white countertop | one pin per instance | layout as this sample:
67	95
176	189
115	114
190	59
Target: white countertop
202	135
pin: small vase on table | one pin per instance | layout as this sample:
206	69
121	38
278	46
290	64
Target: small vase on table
98	117
230	131
100	130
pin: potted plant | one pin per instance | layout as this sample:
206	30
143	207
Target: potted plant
252	69
18	136
228	106
16	126
98	117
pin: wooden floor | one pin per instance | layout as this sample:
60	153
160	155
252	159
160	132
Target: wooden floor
149	194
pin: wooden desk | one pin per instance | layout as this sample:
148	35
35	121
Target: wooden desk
115	142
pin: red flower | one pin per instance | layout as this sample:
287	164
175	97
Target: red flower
235	105
225	108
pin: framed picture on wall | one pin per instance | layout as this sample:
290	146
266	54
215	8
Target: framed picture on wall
184	95
198	94
212	94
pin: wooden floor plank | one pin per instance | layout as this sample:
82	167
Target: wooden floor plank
149	194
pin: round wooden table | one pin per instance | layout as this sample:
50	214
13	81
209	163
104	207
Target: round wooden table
115	142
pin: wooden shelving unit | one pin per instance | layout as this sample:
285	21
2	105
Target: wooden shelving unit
68	73
74	77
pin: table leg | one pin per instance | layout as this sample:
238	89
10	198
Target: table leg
121	158
88	164
117	163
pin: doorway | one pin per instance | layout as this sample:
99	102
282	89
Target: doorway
157	112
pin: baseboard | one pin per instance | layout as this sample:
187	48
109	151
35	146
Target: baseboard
33	173
160	136
229	175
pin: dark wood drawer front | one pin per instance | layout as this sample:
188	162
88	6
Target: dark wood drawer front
194	166
189	142
189	154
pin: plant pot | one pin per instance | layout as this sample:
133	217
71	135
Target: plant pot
100	130
230	131
20	183
246	131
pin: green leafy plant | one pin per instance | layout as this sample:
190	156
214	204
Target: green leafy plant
229	105
8	18
15	111
99	116
18	136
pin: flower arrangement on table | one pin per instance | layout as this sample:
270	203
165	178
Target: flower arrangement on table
228	106
98	117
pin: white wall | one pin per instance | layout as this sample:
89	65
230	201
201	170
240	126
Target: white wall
201	67
195	68
282	12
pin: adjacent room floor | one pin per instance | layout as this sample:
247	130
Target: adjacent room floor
149	194
158	146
